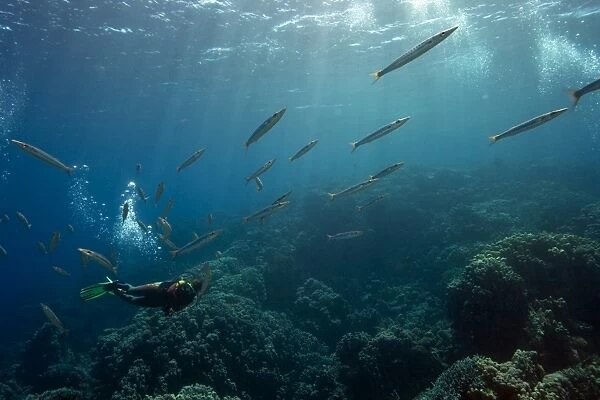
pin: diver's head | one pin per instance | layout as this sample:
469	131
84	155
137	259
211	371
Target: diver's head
185	292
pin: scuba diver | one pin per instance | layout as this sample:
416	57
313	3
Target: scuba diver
171	296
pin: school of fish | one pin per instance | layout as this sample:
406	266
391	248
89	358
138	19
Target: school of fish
200	241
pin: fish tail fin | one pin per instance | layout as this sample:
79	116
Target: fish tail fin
574	97
329	237
376	75
245	220
173	254
291	159
331	196
70	171
493	139
359	208
354	146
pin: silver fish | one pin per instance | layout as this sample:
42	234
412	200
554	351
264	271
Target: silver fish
527	125
167	208
61	272
345	235
353	189
165	226
576	94
23	219
196	244
266	212
261	170
54	319
209	219
54	241
159	191
43	156
369	203
87	255
141	193
282	198
415	52
168	242
191	159
3	251
387	171
70	228
259	184
379	133
142	225
304	150
42	247
264	127
5	219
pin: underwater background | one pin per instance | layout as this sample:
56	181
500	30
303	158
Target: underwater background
476	277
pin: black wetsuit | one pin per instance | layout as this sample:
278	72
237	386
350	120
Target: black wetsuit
171	296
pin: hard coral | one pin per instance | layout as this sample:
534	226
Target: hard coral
225	341
522	378
394	362
489	301
42	351
192	392
320	310
488	305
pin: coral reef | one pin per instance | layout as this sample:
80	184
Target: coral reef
488	305
290	315
225	342
489	302
480	378
192	392
41	351
587	223
321	311
395	362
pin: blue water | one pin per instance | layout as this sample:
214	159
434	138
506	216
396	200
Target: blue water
104	85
